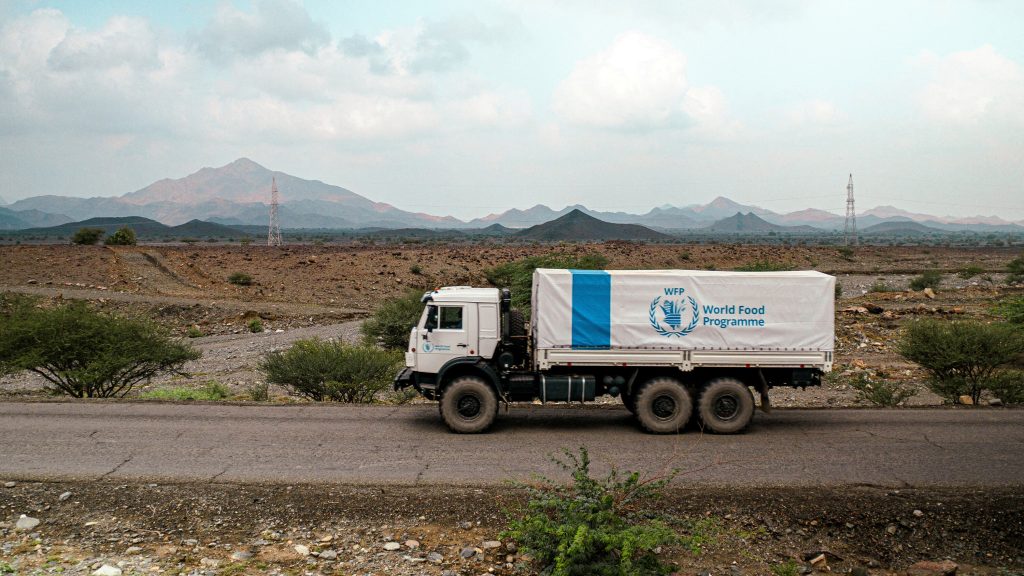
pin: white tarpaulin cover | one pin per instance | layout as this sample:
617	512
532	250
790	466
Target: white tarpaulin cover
683	309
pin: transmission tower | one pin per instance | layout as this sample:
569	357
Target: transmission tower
850	231
274	233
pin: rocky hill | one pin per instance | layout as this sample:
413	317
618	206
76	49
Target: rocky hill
582	227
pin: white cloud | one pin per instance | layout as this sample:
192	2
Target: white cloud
637	83
814	112
973	86
272	25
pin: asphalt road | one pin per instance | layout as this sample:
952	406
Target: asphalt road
409	445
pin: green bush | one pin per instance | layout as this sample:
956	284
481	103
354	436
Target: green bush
254	325
1012	309
518	275
259	391
124	236
330	370
968	272
839	290
927	279
882	392
415	269
961	358
194	332
592	526
87	236
1015	270
1008	386
790	568
240	279
764	266
210	392
391	322
87	354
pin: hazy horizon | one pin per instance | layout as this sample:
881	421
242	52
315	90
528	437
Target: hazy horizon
470	108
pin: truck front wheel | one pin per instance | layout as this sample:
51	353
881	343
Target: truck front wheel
468	405
726	406
663	406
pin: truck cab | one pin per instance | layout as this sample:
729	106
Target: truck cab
457	322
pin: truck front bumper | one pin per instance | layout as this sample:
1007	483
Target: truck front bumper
404	379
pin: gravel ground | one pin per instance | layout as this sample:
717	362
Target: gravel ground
209	529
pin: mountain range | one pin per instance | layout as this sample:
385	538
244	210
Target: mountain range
237	194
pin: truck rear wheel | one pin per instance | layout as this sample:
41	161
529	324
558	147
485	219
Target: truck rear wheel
726	406
468	405
663	406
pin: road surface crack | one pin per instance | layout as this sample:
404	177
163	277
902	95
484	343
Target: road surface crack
932	442
118	467
219	474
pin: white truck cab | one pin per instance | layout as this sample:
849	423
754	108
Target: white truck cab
457	322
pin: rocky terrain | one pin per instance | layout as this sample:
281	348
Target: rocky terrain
109	528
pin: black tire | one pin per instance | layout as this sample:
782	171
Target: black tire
468	405
726	406
663	406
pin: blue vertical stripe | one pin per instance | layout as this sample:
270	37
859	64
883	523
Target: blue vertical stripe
591	309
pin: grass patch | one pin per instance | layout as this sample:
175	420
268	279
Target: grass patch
1012	309
881	286
212	391
969	272
255	325
927	279
240	279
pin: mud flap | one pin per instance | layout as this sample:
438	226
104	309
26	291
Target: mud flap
762	388
404	379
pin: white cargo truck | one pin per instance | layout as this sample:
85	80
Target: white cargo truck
676	345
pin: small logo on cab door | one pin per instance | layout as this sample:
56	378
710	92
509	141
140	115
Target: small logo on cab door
427	347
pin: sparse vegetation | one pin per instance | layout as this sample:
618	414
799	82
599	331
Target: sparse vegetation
240	279
839	290
882	392
880	286
518	275
210	392
962	358
846	253
968	272
1008	386
415	269
254	325
1015	270
1012	309
593	526
124	236
789	568
194	332
390	324
84	353
927	279
330	370
764	266
259	391
87	236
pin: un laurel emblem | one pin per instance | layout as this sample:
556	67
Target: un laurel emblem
666	316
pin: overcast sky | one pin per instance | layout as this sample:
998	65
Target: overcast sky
477	106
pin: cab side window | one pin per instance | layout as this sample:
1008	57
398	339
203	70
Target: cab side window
431	323
451	317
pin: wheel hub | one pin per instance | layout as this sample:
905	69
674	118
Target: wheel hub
664	407
726	407
468	406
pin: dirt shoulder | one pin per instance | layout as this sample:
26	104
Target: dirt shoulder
293	529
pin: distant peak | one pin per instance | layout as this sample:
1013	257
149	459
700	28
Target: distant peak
244	164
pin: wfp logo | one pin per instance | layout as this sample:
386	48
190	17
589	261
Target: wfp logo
427	347
668	315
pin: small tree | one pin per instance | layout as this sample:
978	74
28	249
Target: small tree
330	370
124	236
87	236
962	358
391	322
86	354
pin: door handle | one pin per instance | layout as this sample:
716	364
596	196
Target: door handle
462	345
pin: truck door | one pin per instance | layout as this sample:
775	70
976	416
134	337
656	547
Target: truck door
449	331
